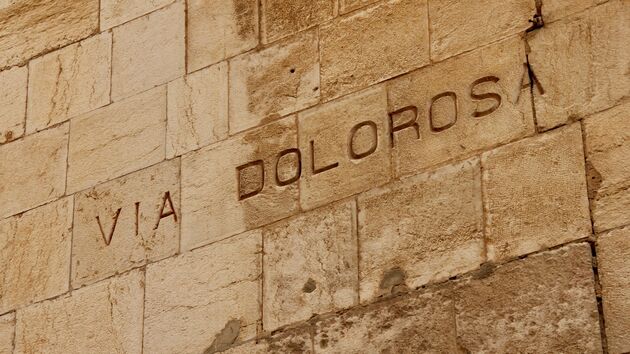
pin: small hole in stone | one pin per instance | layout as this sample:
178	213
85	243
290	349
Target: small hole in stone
292	70
315	89
310	286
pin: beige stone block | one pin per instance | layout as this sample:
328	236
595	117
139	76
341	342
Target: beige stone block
116	12
545	303
68	82
148	51
423	229
344	147
282	18
240	184
103	318
125	223
310	265
7	331
274	82
553	10
13	84
607	138
373	45
350	5
535	194
613	252
292	340
201	296
459	26
35	254
197	110
33	170
32	27
220	29
118	139
456	108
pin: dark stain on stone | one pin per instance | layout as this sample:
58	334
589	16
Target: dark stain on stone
394	280
594	179
485	271
225	338
244	13
323	343
8	136
310	286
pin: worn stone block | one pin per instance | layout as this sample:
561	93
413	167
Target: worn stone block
13	84
103	318
203	296
553	10
282	18
350	5
118	139
116	12
423	229
373	45
7	331
291	340
274	82
197	110
68	82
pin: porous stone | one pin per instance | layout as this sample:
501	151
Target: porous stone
545	303
7	329
124	223
197	110
423	229
13	102
192	298
106	143
373	45
274	82
68	82
310	265
103	318
282	18
350	5
116	12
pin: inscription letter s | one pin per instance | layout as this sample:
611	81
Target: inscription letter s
485	96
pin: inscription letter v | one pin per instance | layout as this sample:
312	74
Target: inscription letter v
108	239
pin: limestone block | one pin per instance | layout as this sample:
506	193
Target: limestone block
350	5
282	18
545	303
7	329
116	12
373	45
423	229
118	139
197	299
13	102
292	340
274	82
68	82
553	10
102	318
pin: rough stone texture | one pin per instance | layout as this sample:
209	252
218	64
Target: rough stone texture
310	265
553	10
459	26
33	170
220	29
116	12
295	340
148	51
197	110
145	229
210	185
480	121
281	18
32	27
274	82
350	5
325	139
545	303
373	45
103	318
13	102
68	82
423	229
607	138
421	323
7	329
190	298
106	143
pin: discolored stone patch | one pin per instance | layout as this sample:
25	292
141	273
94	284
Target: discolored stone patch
116	12
282	18
13	84
7	329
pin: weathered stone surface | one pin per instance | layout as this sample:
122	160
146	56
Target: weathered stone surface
218	202
413	324
32	27
310	265
148	51
118	139
535	194
220	29
197	110
274	82
293	340
7	329
103	318
190	298
13	102
423	229
344	147
553	10
116	12
68	82
349	5
464	25
281	18
373	45
545	303
33	170
613	252
492	107
124	223
607	138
